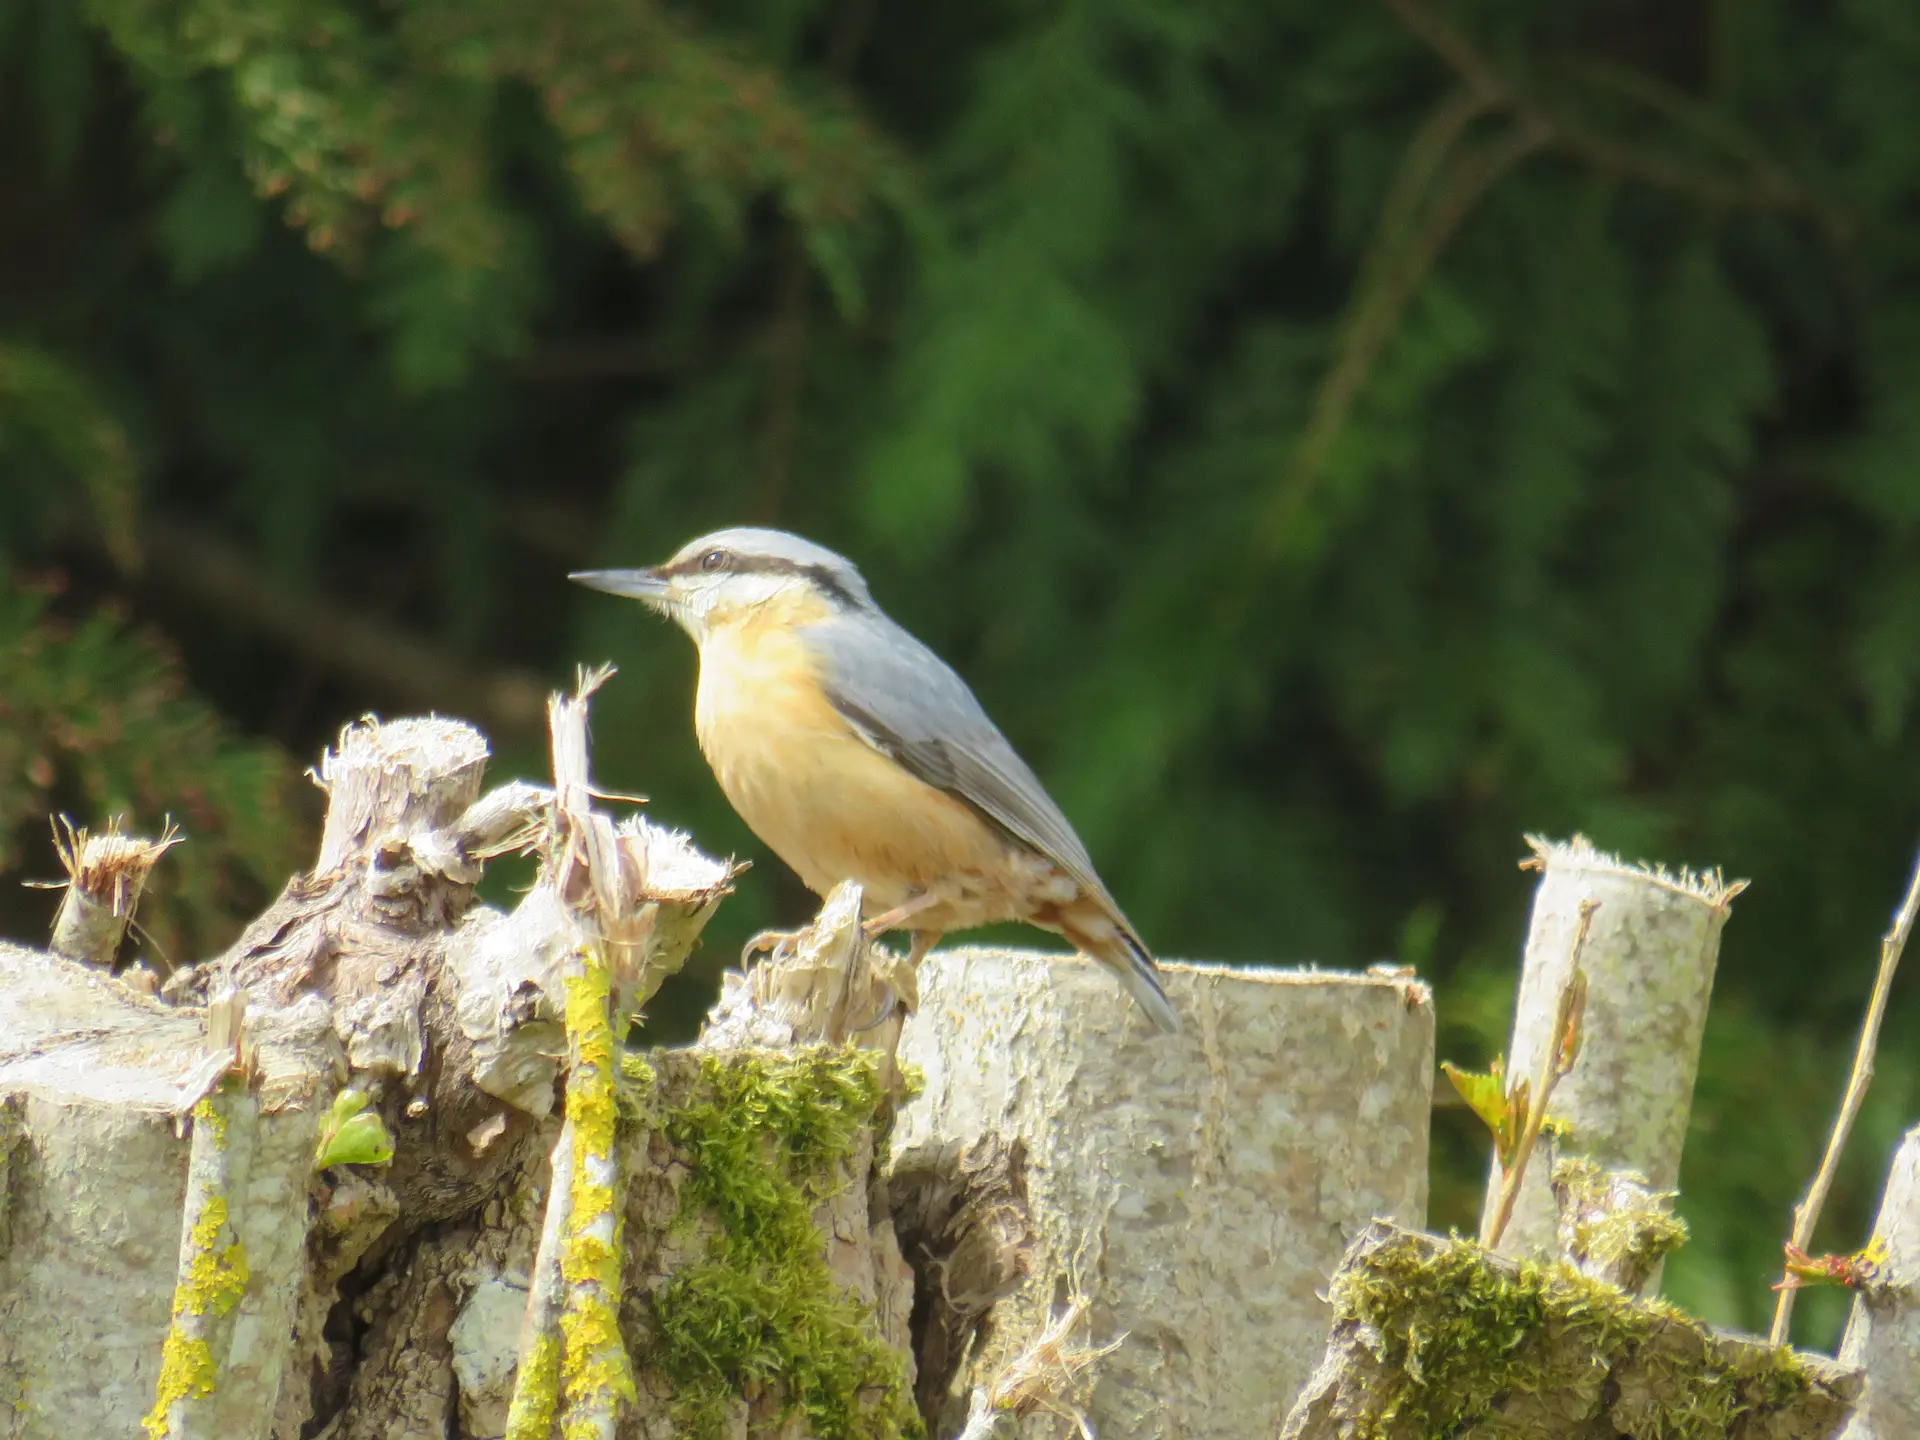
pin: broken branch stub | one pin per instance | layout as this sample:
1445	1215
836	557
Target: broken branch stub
629	901
1649	957
1883	1334
393	779
1196	1189
106	874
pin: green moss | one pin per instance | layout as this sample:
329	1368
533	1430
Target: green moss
1459	1336
1637	1228
767	1140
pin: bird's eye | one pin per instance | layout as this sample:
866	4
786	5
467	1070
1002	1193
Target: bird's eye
714	560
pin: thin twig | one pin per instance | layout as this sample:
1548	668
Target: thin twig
536	1381
1555	1062
1807	1213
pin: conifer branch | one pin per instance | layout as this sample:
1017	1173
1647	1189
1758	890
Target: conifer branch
1399	262
1374	319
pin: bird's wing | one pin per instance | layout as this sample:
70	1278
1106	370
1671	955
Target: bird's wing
908	703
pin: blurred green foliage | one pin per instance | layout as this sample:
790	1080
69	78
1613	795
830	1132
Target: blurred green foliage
1333	440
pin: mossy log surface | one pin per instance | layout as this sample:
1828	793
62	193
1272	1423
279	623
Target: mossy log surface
761	1287
1436	1337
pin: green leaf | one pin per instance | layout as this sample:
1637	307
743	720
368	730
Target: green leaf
1503	1113
351	1134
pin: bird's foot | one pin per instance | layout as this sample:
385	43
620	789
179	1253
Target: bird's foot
890	919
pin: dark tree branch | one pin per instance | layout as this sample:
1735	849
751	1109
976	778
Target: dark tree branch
1765	186
402	663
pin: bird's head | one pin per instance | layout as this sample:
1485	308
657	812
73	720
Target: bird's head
737	574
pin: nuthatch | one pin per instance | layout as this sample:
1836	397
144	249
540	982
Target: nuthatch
855	753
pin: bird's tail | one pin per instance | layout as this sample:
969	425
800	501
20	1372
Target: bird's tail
1115	947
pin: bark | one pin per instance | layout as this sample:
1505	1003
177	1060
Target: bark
1197	1190
101	1080
1883	1335
1439	1337
289	1302
1649	959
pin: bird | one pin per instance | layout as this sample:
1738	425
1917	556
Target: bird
855	753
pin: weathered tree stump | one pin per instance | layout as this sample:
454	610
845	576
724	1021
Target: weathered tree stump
1649	955
1196	1189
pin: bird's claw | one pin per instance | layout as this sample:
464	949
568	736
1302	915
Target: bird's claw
880	1017
768	942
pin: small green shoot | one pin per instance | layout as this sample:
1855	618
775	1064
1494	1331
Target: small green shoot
351	1134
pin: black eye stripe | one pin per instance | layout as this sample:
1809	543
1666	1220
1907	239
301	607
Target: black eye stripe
737	564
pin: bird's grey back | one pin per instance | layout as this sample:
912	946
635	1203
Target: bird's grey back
911	704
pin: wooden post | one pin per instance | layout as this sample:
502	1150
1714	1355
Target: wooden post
1649	957
1197	1189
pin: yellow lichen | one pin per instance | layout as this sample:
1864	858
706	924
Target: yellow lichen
186	1370
214	1281
208	1114
536	1392
594	1365
595	1373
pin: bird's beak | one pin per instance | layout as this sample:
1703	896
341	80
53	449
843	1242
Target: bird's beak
646	585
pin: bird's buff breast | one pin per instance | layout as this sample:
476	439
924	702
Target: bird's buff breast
824	800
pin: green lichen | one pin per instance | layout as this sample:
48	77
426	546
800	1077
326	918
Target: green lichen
536	1392
633	1088
767	1139
1461	1337
213	1283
